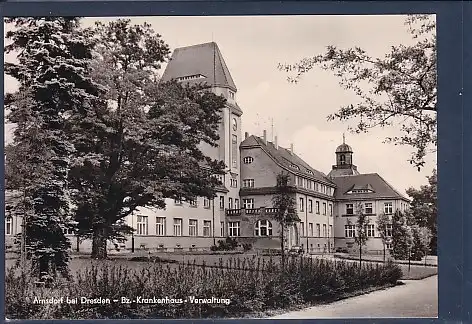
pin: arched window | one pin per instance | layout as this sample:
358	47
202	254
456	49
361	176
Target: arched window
342	159
263	228
9	225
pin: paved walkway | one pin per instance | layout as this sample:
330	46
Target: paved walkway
417	298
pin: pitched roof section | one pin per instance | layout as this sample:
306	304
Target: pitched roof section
202	63
381	189
285	158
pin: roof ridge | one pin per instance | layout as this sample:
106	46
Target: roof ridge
388	184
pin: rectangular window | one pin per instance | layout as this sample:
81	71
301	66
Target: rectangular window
178	201
236	203
248	183
192	227
233	229
388	208
206	228
317	206
142	225
350	230
234	150
317	187
9	226
230	203
206	202
318	230
389	246
302	229
368	209
222	202
389	230
302	204
310	229
330	210
330	234
370	230
177	226
310	206
233	183
222	229
160	226
193	202
325	234
248	203
324	208
349	209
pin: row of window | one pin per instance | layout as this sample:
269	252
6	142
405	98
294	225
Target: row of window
350	230
368	208
142	226
326	232
301	205
312	185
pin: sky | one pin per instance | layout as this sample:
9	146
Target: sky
252	48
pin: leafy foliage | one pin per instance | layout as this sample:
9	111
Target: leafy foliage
382	223
399	89
253	285
362	221
141	143
424	208
400	236
52	69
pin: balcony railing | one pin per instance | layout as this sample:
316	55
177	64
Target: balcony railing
251	211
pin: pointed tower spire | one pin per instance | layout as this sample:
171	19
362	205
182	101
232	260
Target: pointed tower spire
344	139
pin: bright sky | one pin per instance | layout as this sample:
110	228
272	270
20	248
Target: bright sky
252	48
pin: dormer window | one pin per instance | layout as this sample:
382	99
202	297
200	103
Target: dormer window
360	191
309	172
248	160
191	77
231	94
295	166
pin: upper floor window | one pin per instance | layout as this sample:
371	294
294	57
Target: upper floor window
324	208
310	206
206	202
231	94
388	230
193	202
349	209
248	183
388	208
302	204
330	209
222	202
233	183
248	203
317	204
235	124
294	166
248	159
368	209
263	228
350	230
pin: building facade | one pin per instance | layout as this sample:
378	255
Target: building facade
243	206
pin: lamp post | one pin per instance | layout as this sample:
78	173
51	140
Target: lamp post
132	233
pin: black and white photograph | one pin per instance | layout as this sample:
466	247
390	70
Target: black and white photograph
212	167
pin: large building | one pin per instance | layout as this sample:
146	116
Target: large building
326	204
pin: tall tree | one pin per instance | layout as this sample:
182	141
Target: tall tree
52	70
361	237
140	145
383	222
398	89
400	235
424	209
286	215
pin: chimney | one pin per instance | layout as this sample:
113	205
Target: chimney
275	143
265	136
291	148
246	135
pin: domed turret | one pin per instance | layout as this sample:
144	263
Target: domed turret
344	165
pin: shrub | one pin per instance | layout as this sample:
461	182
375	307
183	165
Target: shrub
252	285
229	244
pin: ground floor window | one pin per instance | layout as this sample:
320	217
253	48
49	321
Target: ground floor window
388	246
207	228
350	230
142	225
222	229
234	229
370	230
160	226
9	225
177	226
192	227
389	230
263	228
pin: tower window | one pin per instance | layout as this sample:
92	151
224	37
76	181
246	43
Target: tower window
248	160
342	159
231	94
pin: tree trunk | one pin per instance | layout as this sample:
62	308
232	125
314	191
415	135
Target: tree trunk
384	252
99	243
282	245
360	257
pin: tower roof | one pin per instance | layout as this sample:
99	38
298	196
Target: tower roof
199	64
344	148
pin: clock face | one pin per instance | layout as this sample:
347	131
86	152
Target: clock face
235	124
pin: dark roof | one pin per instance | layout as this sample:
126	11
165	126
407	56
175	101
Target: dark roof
342	172
285	158
202	59
344	148
381	189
